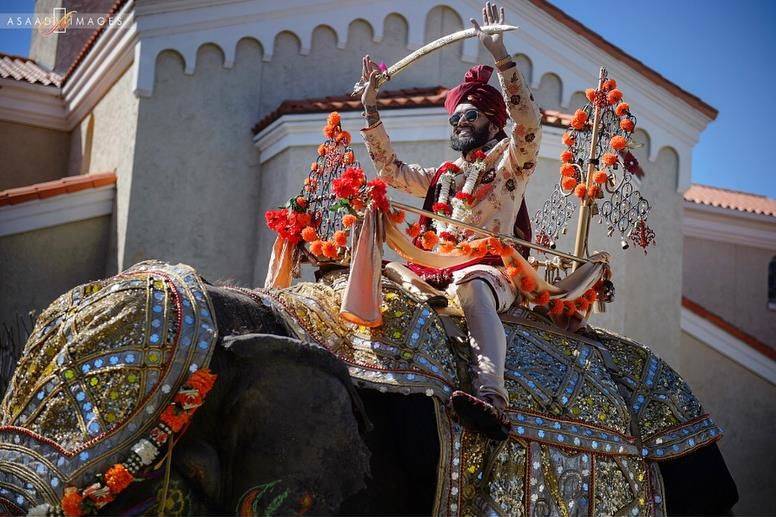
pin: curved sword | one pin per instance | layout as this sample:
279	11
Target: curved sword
427	49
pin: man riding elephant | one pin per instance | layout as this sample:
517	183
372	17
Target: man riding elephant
491	199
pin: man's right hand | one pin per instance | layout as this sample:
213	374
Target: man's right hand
369	72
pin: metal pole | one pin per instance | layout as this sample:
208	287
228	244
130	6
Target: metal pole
583	223
501	236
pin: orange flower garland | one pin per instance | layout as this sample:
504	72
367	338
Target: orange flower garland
118	477
349	220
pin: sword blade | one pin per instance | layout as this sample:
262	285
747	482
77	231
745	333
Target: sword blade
399	66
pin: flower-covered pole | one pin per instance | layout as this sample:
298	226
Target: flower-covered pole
585	212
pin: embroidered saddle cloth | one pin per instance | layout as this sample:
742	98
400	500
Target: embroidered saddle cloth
591	415
101	364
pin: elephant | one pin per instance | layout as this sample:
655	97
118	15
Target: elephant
285	431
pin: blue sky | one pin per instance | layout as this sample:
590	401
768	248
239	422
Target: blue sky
719	50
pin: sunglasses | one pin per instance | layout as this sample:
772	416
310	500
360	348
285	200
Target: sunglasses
469	115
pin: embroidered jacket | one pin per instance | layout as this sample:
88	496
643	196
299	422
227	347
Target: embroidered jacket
499	191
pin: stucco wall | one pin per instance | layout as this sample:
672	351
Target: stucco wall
40	265
739	290
113	122
195	171
31	154
744	405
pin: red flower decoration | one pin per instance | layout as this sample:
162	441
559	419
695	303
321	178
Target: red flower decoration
566	156
202	380
543	298
627	125
449	167
463	196
349	220
477	155
568	183
413	230
348	185
621	109
340	238
568	139
378	193
581	191
443	208
590	93
579	119
600	177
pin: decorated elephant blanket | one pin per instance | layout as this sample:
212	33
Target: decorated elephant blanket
111	372
591	414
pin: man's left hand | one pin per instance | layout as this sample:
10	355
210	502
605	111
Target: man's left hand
491	14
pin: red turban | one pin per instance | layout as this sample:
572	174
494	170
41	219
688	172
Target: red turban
475	90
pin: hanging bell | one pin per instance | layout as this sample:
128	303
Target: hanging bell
624	244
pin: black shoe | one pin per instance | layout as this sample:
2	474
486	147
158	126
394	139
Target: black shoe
437	301
480	416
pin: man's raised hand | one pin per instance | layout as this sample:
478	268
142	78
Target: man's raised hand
491	14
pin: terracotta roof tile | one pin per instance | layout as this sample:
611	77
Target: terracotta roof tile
394	99
732	199
26	69
731	329
118	4
47	189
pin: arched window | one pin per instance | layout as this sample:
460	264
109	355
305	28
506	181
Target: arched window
772	284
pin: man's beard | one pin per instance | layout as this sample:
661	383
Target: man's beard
464	144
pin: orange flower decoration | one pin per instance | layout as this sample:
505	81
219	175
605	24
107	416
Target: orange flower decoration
314	166
174	418
429	240
343	138
446	246
609	159
543	298
579	119
609	84
349	220
413	230
340	238
527	284
348	157
627	125
594	191
590	94
329	250
117	478
569	307
600	177
465	248
618	142
316	248
567	170
568	183
621	109
580	191
202	380
357	203
71	502
566	156
329	131
301	201
322	149
590	295
568	139
495	246
513	271
333	119
614	96
397	216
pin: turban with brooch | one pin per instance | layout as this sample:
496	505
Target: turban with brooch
475	90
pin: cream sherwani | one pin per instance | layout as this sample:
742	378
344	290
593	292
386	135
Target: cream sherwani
498	193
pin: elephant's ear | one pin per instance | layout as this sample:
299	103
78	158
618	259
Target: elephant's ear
198	462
